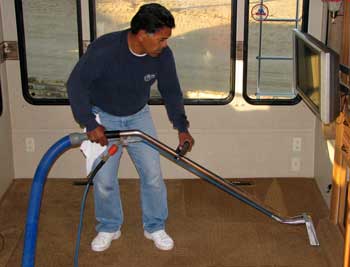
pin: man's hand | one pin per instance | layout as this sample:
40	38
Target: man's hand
97	135
185	137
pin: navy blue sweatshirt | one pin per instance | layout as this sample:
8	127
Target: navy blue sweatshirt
110	77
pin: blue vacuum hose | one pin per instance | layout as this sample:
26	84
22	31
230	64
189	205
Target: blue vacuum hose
31	229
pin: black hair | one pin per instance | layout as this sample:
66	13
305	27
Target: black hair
152	17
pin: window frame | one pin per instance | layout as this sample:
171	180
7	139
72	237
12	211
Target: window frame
23	58
272	102
92	24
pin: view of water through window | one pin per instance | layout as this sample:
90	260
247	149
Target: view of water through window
51	45
200	42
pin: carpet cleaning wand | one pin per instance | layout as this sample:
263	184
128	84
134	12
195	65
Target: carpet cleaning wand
110	152
75	139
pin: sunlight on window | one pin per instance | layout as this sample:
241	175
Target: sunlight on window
200	41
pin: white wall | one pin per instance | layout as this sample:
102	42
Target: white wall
235	140
6	156
324	158
324	149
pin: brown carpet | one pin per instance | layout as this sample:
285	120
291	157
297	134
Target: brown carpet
210	228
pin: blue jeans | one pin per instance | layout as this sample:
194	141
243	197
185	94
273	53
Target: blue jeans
108	206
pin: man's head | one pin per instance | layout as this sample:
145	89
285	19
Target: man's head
152	26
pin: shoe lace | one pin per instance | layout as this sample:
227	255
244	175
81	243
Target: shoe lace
163	235
103	237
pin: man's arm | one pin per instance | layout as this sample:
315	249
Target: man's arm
78	87
169	88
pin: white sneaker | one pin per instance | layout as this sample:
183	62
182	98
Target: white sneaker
161	239
103	240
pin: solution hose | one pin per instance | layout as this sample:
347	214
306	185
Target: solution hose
31	228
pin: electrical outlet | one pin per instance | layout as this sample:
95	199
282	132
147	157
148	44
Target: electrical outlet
30	144
329	188
296	144
295	164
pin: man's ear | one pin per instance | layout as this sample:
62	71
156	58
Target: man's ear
141	35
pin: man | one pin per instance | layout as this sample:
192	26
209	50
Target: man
112	82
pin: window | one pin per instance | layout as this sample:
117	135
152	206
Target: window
201	42
268	57
49	48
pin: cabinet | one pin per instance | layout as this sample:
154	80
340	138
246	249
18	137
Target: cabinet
340	201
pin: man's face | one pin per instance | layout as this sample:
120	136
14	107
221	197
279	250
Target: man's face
154	43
